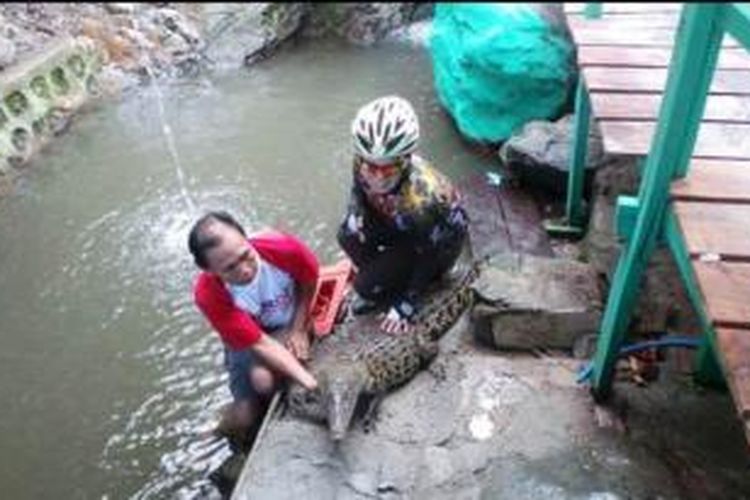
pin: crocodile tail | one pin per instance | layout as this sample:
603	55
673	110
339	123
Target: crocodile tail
474	271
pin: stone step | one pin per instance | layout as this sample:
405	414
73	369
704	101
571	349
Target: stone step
551	302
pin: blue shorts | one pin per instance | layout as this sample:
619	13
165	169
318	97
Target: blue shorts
239	364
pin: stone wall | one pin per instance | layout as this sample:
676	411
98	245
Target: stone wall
662	303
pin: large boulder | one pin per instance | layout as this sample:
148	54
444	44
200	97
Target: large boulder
498	66
242	33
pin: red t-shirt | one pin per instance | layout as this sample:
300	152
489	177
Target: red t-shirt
237	328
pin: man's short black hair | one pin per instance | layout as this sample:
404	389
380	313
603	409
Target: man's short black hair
200	240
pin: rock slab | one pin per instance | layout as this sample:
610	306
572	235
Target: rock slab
507	427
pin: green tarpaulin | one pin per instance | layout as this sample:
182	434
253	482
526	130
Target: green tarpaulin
498	66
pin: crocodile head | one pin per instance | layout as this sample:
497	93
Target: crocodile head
344	383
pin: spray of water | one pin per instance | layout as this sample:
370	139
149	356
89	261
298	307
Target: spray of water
171	146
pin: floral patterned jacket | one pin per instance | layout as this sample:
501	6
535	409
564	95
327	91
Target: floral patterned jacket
424	208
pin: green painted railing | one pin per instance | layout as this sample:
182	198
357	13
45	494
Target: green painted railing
693	62
573	222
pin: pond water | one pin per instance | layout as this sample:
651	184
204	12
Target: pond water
108	374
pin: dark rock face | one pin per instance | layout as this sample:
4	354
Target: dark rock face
245	33
363	23
540	154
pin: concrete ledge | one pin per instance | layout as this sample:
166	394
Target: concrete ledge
509	427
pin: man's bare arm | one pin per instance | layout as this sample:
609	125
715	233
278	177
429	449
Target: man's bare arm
279	358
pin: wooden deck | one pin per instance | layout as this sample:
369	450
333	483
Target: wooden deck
624	58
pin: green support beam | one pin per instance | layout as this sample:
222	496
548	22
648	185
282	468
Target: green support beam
697	44
709	370
572	224
593	10
626	214
737	22
577	174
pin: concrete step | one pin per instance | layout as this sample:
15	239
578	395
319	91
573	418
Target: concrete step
551	302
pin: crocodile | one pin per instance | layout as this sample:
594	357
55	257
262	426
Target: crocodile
382	365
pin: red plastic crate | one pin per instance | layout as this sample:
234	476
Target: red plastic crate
333	285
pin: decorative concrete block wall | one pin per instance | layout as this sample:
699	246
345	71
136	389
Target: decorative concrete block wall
40	94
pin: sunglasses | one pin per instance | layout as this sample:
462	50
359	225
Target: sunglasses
387	169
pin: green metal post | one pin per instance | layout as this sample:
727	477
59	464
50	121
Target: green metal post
577	170
709	371
696	49
593	10
572	224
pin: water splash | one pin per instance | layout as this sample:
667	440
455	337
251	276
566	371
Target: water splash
416	34
169	137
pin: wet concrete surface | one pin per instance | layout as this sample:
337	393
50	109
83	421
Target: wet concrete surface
504	218
480	424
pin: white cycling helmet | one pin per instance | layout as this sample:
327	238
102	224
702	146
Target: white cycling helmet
384	129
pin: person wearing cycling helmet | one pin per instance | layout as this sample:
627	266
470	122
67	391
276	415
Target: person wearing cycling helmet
404	226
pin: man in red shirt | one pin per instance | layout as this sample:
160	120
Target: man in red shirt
255	292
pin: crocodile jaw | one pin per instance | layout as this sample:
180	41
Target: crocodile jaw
340	413
344	388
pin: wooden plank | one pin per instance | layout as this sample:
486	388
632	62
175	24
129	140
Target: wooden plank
725	288
625	8
487	232
502	220
601	34
715	229
650	57
645	107
714	180
653	80
734	349
656	20
715	140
